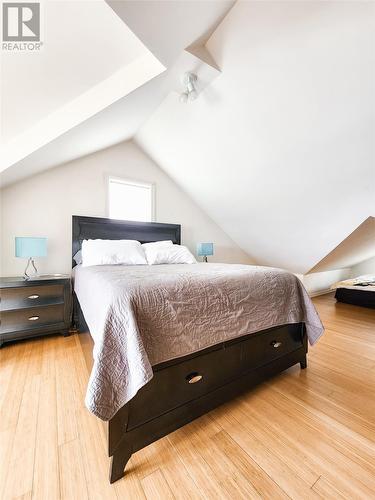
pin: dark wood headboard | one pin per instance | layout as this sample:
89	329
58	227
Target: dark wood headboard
84	228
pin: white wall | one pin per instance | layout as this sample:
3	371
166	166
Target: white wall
365	267
43	205
318	283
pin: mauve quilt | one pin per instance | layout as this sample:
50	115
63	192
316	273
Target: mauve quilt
142	315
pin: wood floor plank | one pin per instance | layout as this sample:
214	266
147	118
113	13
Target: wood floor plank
72	475
334	386
226	473
80	370
156	487
160	455
14	387
303	434
49	354
355	445
8	369
26	496
129	487
68	400
341	369
198	469
350	344
6	442
264	485
291	477
341	380
19	480
94	457
327	490
46	483
318	448
361	367
330	410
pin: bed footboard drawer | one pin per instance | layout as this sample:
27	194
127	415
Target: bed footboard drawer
268	346
183	382
179	383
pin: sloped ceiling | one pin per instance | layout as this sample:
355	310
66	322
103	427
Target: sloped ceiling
72	61
110	111
280	149
358	247
48	92
166	26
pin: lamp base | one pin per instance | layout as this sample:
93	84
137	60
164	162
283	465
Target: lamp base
31	263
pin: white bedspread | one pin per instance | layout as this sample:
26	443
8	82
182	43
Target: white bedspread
142	315
354	283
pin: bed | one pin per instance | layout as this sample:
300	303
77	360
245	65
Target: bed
358	291
172	342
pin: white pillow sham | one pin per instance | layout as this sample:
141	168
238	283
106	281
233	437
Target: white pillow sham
172	254
158	244
77	257
102	252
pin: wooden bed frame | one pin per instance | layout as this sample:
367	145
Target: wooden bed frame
187	387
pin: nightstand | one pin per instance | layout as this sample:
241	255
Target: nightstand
39	306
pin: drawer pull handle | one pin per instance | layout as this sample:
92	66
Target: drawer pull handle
32	297
33	318
193	378
276	344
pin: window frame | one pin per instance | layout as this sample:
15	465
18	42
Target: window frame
133	182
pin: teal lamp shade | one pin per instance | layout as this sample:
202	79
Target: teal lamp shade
31	247
205	249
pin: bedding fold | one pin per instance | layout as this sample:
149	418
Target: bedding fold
140	316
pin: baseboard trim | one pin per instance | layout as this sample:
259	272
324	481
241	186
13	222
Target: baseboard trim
320	292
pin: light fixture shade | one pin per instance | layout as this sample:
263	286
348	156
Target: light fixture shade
193	95
31	247
204	249
190	93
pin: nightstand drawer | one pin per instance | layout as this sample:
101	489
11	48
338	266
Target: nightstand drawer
31	296
28	319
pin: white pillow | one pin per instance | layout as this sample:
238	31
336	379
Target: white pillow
174	254
77	257
158	244
101	252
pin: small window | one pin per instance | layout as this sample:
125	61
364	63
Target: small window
130	200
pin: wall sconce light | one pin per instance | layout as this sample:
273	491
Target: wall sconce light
190	93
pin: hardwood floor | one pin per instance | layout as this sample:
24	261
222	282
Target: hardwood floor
304	434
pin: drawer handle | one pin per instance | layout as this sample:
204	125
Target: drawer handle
193	378
276	344
32	297
33	318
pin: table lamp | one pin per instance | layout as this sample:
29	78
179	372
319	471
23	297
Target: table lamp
28	248
205	249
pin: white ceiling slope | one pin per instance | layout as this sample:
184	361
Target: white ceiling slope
358	247
46	93
167	30
280	149
167	26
